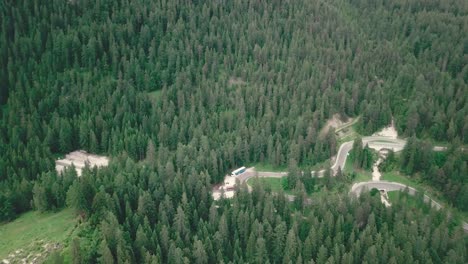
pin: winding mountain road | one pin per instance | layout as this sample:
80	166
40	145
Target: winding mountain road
357	188
374	142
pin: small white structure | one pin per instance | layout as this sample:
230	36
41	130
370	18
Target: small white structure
238	172
79	158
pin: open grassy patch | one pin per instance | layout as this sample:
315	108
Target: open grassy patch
236	81
416	202
349	136
155	95
263	166
275	184
394	176
347	132
399	197
361	175
318	166
31	231
393	196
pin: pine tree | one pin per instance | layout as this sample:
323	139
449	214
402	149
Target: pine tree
65	136
322	255
293	174
40	198
357	153
105	253
199	252
279	242
291	247
76	251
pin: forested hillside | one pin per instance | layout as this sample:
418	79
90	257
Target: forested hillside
180	92
423	62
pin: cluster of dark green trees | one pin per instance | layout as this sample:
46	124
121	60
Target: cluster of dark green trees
422	45
445	170
144	217
361	156
179	92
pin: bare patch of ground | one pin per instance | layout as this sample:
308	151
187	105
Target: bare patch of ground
37	252
155	96
336	121
375	169
79	159
236	81
384	198
227	188
389	131
225	194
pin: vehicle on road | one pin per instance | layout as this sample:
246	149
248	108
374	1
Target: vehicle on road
238	172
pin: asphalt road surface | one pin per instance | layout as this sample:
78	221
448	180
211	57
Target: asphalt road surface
374	142
357	188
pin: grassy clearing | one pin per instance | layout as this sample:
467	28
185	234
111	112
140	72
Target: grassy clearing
408	200
318	166
33	226
348	125
361	175
393	196
155	95
394	176
413	202
263	166
321	194
347	137
275	184
347	132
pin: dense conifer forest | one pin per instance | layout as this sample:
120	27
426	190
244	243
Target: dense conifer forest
178	93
